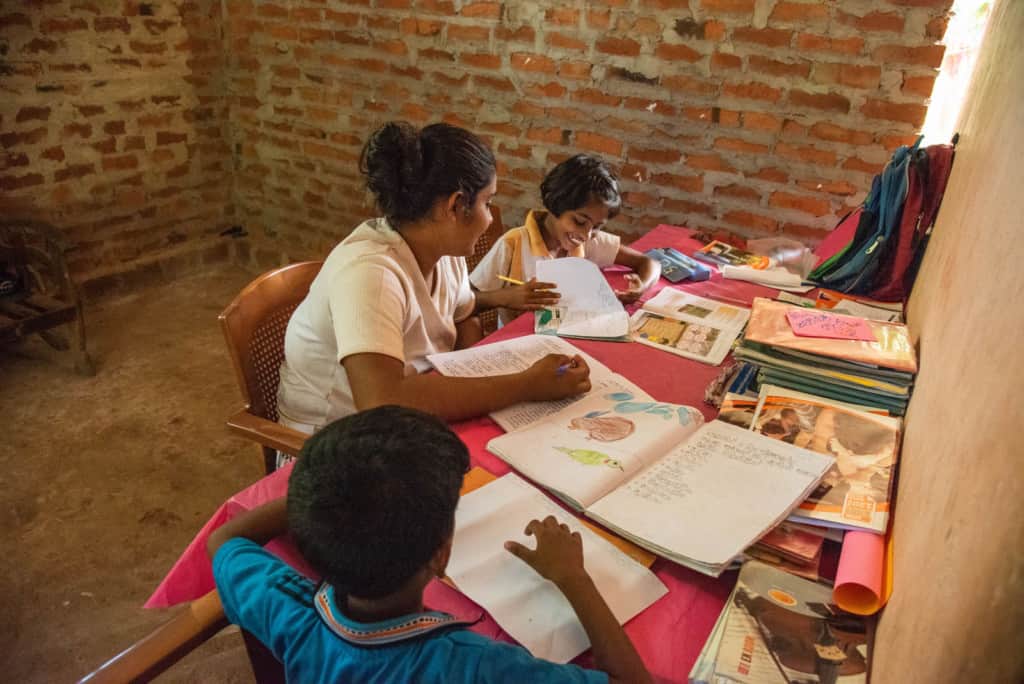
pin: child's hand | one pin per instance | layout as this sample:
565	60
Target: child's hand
559	553
635	289
529	296
557	376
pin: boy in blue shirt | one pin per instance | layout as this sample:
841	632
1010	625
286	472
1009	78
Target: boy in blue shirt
371	505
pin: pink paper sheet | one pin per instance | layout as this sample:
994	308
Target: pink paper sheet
685	616
864	576
832	326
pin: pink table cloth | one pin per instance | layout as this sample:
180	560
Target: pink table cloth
669	634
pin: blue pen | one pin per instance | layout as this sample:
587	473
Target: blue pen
565	366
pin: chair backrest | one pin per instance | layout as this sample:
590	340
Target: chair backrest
254	325
487	240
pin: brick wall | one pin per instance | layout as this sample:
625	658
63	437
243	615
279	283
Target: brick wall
759	116
144	129
113	125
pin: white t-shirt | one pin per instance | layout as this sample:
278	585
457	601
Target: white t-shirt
516	253
369	297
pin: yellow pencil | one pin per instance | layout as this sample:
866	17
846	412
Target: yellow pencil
511	280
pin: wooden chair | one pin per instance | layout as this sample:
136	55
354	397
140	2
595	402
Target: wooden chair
489	319
49	298
254	325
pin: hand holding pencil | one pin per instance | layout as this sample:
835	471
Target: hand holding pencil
528	296
557	376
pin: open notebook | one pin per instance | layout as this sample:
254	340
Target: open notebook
651	472
518	354
687	325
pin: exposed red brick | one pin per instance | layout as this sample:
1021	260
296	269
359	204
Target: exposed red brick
808	205
770	174
562	16
169	138
925	55
688	84
737	145
485	10
482	61
575	70
747	220
83	130
845	46
54	153
599	19
681	53
853	75
73	171
761	122
708	162
657	155
728	6
724	60
597	97
752	91
714	30
832	102
799	12
843	188
459	32
910	113
918	85
63	25
598	143
768	36
121	163
548	135
774	67
618	46
502	83
806	154
673	180
15	19
828	131
28	180
525	61
873	21
936	28
37	45
33	114
739	191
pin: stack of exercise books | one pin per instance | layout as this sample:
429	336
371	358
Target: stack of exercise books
876	373
777	628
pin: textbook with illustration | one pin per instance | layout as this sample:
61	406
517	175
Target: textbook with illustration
639	467
855	493
776	629
724	254
588	307
687	325
518	354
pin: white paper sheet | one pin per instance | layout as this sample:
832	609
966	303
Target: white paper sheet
509	356
519	416
725	486
589	307
531	609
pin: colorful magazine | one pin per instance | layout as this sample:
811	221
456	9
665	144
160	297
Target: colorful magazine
724	254
687	325
855	494
781	629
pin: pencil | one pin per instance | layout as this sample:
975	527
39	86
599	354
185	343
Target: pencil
511	280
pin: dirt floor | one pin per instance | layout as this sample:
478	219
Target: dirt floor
106	479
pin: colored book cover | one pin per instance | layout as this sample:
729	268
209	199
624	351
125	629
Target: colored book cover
724	254
855	492
782	629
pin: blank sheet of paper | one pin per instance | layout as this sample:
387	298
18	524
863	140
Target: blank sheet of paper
531	609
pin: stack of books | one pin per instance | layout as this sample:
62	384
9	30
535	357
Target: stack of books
777	628
877	373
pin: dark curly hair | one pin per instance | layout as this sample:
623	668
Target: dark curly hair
409	169
578	181
372	497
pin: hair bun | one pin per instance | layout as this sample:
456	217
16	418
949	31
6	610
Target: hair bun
393	163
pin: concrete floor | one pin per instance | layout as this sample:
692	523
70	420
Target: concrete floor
106	479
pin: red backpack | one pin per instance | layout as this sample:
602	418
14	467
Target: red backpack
927	176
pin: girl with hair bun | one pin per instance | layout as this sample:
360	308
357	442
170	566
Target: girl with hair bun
397	289
580	196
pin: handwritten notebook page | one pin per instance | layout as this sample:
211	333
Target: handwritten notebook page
721	490
508	356
531	609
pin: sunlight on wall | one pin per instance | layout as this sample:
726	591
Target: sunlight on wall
963	38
